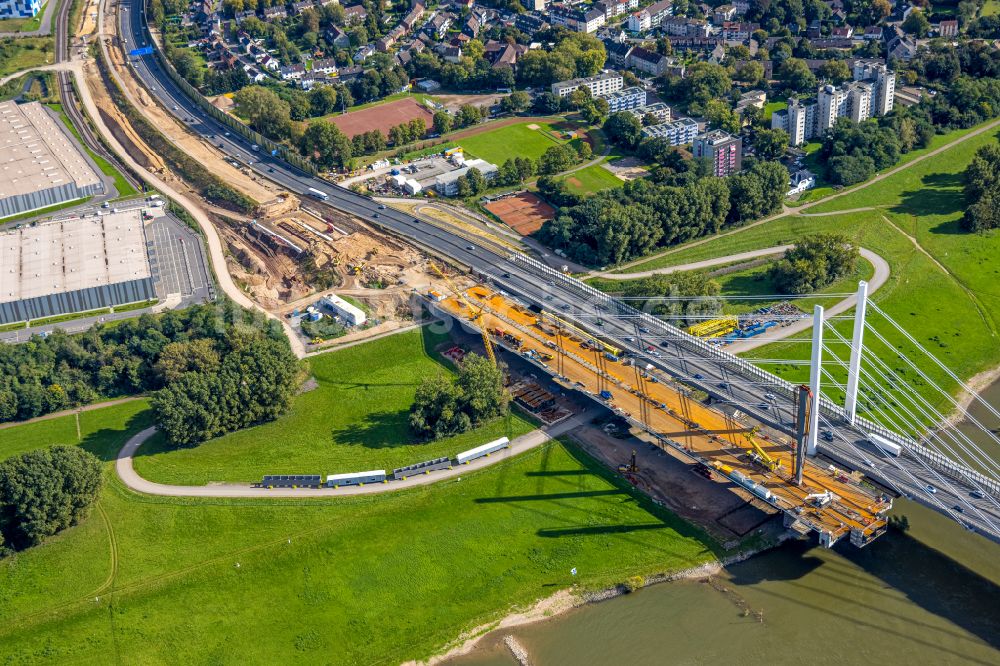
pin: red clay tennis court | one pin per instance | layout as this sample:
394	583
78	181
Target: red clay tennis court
524	212
383	117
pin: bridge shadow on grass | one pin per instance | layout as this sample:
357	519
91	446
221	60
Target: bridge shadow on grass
377	430
926	576
940	194
106	442
658	518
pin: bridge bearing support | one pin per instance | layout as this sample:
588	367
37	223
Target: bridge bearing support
857	348
814	379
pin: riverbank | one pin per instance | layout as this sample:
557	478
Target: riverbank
978	384
569	599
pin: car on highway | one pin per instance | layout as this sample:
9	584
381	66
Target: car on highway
649	348
827	435
665	343
176	108
958	508
723	385
763	405
770	396
931	489
564	306
470	248
381	206
416	221
976	494
698	375
375	215
270	169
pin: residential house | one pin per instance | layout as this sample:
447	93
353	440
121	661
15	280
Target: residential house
324	66
625	99
471	27
438	24
948	28
269	62
902	48
733	31
651	16
346	74
647	61
578	20
291	72
723	14
338	38
530	23
679	26
452	54
355	14
675	132
301	5
872	33
618	53
276	12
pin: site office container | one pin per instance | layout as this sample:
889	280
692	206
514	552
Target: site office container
484	450
356	478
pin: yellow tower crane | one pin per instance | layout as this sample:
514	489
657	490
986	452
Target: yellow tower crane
477	313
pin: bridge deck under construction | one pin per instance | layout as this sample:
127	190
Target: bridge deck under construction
666	410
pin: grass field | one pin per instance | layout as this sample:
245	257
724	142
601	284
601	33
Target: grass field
25	53
771	107
356	418
512	141
592	179
376	579
990	8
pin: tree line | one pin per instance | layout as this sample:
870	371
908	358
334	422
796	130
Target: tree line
135	356
613	226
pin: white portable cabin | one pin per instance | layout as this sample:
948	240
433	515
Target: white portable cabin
355	478
483	450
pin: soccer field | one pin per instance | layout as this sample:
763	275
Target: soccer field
519	140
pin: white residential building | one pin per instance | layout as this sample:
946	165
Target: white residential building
625	99
677	132
599	85
19	8
650	17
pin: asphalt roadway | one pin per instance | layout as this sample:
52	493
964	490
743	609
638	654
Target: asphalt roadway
767	401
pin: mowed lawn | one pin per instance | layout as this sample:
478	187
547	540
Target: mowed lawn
356	420
591	179
376	579
517	140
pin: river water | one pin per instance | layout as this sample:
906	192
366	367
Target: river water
929	595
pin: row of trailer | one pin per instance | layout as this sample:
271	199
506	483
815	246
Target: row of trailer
379	475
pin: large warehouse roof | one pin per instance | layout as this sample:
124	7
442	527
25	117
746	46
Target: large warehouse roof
70	255
35	154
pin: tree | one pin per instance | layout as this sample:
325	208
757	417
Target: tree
476	180
255	383
623	129
178	358
516	102
796	75
982	190
322	100
771	144
324	143
750	72
442	407
44	491
556	159
264	110
442	122
703	82
721	116
835	71
916	24
815	262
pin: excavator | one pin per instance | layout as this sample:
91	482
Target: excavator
758	454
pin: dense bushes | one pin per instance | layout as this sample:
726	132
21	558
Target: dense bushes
627	222
982	190
443	407
215	387
813	263
45	491
665	297
62	371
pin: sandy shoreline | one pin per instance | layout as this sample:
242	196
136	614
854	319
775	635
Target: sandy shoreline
977	383
567	599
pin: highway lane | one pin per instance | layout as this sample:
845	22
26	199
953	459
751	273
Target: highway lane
682	358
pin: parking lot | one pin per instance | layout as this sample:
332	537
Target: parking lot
177	260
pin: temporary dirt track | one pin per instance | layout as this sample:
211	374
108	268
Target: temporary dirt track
670	412
383	117
524	213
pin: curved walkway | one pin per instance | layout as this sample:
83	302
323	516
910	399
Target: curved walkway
878	279
128	475
697	265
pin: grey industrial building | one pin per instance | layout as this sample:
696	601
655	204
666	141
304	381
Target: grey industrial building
40	165
73	265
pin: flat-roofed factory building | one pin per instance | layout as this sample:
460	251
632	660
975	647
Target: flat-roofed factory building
74	265
40	165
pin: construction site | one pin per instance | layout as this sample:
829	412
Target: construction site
829	501
283	254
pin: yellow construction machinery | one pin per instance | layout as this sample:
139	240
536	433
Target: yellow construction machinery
476	313
714	328
759	455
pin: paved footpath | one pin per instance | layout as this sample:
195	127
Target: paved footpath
128	475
